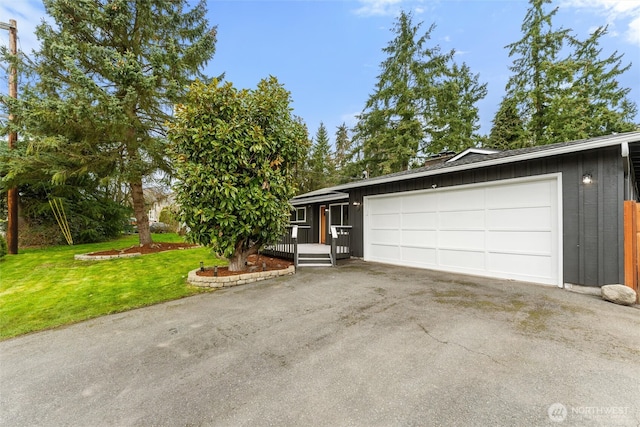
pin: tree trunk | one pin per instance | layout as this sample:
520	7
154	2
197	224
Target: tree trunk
238	261
140	212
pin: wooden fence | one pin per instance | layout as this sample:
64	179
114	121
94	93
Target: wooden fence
631	244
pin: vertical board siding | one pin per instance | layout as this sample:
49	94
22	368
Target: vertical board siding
592	221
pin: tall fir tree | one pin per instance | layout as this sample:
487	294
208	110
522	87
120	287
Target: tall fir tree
391	128
537	69
423	103
456	118
321	165
343	147
104	83
563	98
507	131
592	103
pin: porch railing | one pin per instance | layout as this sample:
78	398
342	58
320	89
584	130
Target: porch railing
340	242
287	247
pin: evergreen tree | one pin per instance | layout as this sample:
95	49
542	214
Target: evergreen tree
343	147
321	165
392	127
592	103
537	69
456	117
105	80
507	131
423	103
562	99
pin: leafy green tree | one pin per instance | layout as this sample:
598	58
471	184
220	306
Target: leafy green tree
537	69
235	153
507	131
321	164
102	86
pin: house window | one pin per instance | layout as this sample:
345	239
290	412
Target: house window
299	215
339	214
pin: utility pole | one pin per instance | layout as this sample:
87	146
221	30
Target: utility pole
12	193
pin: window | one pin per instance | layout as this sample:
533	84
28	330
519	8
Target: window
299	215
339	214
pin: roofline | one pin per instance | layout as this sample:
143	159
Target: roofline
319	198
589	144
472	150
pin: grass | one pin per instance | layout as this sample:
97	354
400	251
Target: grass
45	288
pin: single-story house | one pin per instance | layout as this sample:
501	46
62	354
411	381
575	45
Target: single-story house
549	214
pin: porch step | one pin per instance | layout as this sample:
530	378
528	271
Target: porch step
314	260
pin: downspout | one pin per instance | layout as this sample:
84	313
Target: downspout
628	179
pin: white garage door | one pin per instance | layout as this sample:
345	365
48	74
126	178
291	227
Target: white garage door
507	229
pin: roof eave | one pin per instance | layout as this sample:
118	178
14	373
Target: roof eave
557	151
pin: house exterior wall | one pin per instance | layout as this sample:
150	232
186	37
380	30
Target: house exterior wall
592	213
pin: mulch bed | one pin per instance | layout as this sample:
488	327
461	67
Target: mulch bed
254	262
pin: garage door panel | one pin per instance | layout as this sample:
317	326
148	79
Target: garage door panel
538	218
464	220
385	221
462	261
506	229
420	203
420	220
415	256
385	206
523	266
385	236
461	200
531	194
527	242
428	238
462	239
385	253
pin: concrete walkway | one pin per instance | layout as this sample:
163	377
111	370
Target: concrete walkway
357	345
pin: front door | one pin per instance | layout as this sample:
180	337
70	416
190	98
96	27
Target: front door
323	225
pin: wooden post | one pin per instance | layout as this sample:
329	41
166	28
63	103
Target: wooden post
631	244
12	193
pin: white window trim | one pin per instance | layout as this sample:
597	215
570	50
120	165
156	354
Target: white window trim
297	220
341	216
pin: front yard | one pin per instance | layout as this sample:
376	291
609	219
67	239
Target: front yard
45	288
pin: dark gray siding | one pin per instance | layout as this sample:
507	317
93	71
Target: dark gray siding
592	214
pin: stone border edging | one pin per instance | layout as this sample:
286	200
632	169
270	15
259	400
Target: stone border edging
87	257
238	279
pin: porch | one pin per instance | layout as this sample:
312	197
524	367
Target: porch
312	254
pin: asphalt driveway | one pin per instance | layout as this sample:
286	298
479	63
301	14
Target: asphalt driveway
361	344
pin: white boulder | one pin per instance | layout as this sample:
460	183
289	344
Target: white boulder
619	294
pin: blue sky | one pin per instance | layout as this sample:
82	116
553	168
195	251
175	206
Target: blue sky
327	53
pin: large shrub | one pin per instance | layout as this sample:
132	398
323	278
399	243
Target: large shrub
235	153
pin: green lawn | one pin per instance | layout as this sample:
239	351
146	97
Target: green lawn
45	288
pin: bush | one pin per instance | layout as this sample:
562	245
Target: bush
169	216
3	246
